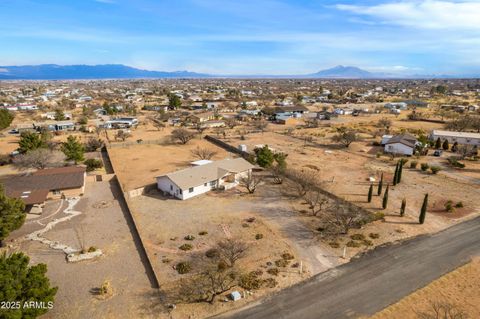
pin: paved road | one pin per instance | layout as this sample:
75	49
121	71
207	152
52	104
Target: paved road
372	282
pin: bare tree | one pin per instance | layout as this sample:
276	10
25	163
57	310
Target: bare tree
182	135
230	122
260	125
301	181
207	285
385	123
158	124
122	135
467	150
203	153
343	217
231	250
443	310
345	137
39	159
250	182
278	173
316	201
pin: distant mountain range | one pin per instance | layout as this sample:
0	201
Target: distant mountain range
119	71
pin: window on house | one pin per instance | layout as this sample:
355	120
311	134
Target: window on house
180	191
205	184
56	192
212	183
190	190
171	187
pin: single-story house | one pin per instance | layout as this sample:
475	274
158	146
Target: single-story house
55	125
52	115
396	105
401	144
466	138
121	122
51	183
212	124
199	179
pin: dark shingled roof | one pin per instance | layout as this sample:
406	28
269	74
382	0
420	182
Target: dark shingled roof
405	139
34	188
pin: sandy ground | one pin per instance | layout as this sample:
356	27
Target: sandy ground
459	288
105	228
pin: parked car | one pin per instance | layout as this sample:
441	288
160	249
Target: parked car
437	153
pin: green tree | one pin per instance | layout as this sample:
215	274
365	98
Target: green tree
31	141
59	115
380	186
438	143
12	215
402	208
400	171
385	198
423	211
6	118
174	102
445	145
73	149
265	156
395	176
23	284
370	193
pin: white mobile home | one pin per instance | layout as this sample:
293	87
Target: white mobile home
400	145
196	180
465	138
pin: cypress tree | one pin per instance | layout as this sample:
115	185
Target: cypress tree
399	173
402	209
370	193
423	211
438	143
385	198
445	145
395	176
380	185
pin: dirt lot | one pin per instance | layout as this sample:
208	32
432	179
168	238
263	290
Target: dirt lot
105	228
163	224
459	288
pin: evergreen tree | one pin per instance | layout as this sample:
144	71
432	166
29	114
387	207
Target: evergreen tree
395	176
6	118
380	185
31	141
445	145
454	147
423	211
370	193
385	198
73	149
21	283
402	208
59	115
174	102
265	156
438	143
12	215
399	173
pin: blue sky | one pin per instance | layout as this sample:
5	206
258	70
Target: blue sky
245	36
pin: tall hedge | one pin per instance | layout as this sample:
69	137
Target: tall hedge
6	118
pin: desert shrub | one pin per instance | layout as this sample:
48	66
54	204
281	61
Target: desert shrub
245	225
273	271
258	236
186	247
189	237
270	283
374	235
459	205
424	167
435	169
166	260
449	206
352	243
222	265
183	267
367	242
212	253
281	263
5	159
250	281
357	237
93	164
251	219
92	249
203	233
288	256
413	164
334	244
378	154
455	163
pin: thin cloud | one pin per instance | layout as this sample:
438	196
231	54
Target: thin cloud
427	14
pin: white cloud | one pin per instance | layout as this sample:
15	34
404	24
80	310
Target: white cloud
426	14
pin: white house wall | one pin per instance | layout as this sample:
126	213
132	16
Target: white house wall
398	148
